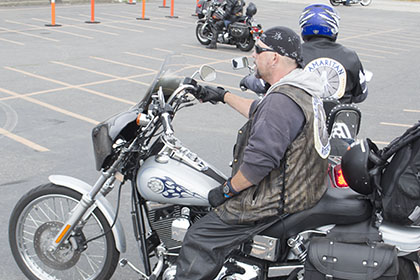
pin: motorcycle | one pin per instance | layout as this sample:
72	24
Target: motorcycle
242	33
352	2
67	229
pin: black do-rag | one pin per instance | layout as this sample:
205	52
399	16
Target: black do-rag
285	42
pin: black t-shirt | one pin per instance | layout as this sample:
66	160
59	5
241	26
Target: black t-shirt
336	62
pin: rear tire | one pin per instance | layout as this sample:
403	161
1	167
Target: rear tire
203	33
35	222
335	2
407	270
246	44
365	2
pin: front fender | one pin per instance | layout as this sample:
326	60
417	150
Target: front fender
101	203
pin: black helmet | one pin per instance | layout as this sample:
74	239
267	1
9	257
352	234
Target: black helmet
251	10
356	165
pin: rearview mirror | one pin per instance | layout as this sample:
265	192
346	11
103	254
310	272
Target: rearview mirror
207	73
240	62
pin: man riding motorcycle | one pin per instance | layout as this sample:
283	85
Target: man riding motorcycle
340	68
284	136
233	10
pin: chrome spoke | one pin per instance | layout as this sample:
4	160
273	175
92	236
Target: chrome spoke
39	222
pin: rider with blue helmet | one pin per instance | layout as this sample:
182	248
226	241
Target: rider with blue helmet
340	68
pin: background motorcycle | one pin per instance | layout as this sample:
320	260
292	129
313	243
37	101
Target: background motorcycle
362	2
67	229
242	33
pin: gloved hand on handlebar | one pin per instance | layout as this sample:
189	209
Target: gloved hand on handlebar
219	195
211	94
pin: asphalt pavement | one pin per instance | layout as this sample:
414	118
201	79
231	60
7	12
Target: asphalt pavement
57	83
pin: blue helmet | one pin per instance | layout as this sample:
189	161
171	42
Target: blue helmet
319	20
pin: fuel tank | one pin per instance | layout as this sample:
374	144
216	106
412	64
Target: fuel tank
171	181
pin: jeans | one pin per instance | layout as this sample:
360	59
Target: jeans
207	244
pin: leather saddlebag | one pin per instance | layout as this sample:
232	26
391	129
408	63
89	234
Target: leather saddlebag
328	259
238	30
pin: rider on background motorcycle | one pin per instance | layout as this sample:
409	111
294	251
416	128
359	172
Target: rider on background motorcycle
285	136
233	10
340	68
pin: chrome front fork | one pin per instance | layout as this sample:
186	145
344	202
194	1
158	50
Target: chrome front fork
82	210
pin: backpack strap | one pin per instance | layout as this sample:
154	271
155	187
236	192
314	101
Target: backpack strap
410	135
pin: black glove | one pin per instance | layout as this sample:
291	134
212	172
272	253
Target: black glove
211	94
219	195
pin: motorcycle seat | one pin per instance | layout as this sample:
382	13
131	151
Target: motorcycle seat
337	206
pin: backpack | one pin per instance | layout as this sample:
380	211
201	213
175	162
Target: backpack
399	182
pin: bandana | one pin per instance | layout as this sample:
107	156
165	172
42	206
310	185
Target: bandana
285	42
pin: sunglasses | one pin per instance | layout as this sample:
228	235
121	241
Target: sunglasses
259	49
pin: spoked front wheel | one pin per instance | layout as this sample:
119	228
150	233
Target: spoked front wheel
34	223
203	33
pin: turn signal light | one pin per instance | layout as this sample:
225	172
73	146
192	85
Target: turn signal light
142	119
339	178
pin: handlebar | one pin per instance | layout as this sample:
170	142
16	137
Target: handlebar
167	123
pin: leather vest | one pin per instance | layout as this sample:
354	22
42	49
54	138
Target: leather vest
298	183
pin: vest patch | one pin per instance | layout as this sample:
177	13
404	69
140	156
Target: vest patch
321	138
333	76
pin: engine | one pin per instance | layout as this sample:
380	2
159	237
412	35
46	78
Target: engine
171	222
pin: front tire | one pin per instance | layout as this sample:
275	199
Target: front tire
203	33
35	221
246	44
365	2
335	2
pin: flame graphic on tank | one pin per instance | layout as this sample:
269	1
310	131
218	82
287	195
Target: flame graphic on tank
170	189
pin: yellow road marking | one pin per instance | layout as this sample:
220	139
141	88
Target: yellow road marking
370	34
130	23
122	28
97	72
51	107
13	42
77	86
411	110
396	124
23	141
207	50
71	86
146	56
56	30
79	27
32	35
123	64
